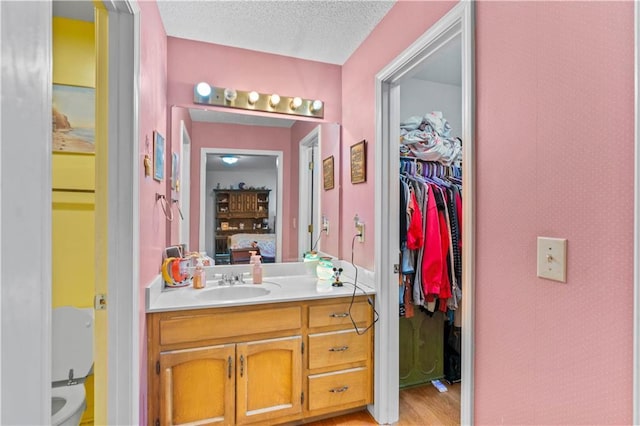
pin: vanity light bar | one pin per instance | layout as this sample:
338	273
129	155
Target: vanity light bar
292	105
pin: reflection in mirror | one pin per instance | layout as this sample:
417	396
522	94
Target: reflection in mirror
266	211
242	197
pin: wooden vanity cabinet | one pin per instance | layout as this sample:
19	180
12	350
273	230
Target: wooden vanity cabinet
262	364
340	360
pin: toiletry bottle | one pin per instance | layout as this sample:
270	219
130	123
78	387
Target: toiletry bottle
256	270
198	276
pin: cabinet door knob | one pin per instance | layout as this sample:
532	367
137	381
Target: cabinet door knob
340	349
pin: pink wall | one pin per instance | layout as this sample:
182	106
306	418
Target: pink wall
329	199
554	158
236	136
153	113
555	117
224	66
358	112
192	61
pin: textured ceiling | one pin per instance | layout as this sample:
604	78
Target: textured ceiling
318	30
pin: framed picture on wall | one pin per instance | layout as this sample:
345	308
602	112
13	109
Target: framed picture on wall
158	156
359	162
73	119
327	172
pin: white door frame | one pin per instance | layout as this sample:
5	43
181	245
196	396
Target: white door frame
636	226
123	267
203	190
303	183
185	185
25	212
460	20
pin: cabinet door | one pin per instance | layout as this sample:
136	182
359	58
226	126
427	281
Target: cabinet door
197	386
269	379
250	202
236	202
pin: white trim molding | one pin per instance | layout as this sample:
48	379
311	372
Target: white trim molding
459	21
25	211
123	250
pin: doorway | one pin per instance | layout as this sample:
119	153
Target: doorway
185	182
309	196
26	217
456	25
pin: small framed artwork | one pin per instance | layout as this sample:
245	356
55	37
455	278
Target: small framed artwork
74	119
158	156
359	162
327	172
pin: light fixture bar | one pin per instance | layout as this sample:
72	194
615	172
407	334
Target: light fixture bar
307	108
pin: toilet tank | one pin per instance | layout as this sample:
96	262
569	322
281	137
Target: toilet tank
72	343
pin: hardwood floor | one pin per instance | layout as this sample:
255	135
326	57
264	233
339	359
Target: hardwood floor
419	406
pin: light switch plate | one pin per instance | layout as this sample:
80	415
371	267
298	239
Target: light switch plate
552	258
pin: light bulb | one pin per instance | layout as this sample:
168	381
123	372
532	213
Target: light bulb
316	105
274	100
230	159
203	89
230	94
296	102
253	97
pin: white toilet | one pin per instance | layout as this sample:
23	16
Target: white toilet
72	333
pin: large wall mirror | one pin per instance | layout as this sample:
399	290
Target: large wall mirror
247	181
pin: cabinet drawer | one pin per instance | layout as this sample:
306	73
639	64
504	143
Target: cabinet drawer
337	314
338	388
338	347
228	324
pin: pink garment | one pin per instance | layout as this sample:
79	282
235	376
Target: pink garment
432	255
415	237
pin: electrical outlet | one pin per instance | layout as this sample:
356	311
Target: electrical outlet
325	225
360	231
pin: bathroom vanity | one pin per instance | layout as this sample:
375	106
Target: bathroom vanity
279	352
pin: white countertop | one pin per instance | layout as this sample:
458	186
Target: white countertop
282	283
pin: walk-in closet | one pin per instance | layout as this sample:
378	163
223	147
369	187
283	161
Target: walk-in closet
430	298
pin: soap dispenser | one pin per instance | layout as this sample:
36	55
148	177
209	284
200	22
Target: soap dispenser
256	269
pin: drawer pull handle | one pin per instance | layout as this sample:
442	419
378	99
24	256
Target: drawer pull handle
342	315
339	390
340	349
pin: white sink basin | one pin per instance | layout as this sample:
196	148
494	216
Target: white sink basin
235	292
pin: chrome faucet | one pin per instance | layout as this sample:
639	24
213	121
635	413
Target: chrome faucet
231	279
